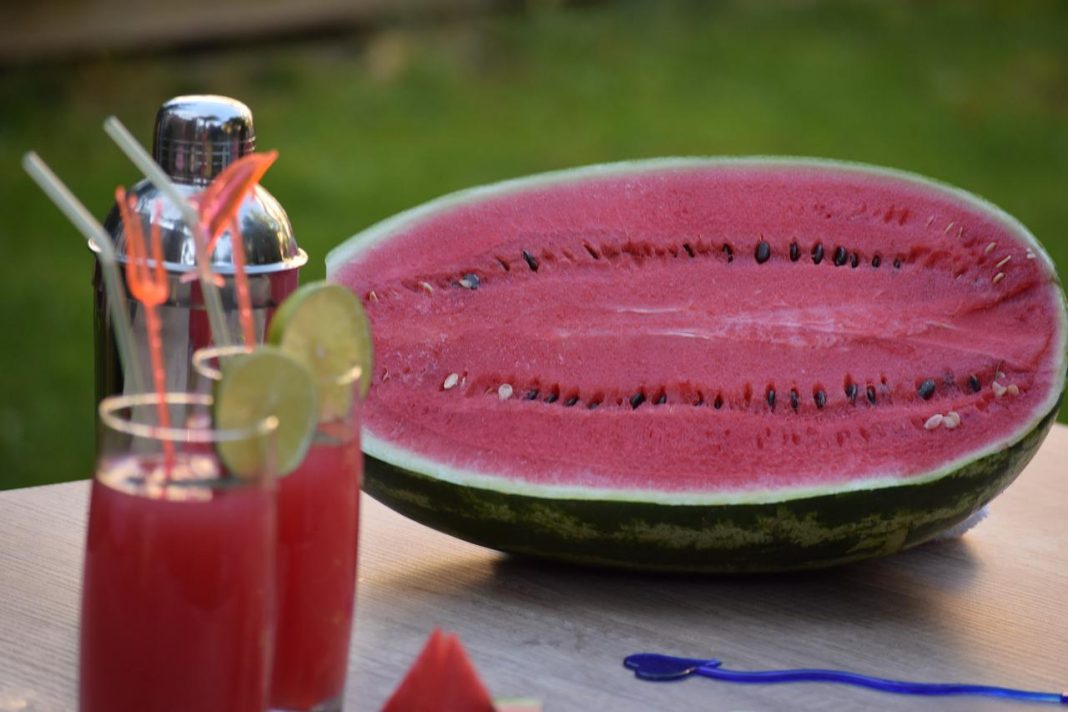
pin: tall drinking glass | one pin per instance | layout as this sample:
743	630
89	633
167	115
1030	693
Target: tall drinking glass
178	587
318	526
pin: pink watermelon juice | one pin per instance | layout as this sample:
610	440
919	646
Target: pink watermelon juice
177	591
318	523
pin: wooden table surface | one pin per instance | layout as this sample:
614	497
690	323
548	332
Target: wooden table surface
991	607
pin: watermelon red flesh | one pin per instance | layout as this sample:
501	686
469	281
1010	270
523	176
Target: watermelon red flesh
442	678
647	282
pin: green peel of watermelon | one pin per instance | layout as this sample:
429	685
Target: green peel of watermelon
700	364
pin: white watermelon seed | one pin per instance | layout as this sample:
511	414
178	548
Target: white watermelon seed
990	248
450	381
504	391
1030	254
372	296
999	390
1003	262
951	420
1013	389
998	277
949	227
426	287
933	422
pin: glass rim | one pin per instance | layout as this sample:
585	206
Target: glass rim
202	356
111	406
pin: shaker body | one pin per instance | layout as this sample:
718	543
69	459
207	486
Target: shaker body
184	326
195	138
273	267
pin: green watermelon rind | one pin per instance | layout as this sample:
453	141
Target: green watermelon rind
660	523
805	533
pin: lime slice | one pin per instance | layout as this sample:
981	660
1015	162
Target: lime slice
266	382
324	326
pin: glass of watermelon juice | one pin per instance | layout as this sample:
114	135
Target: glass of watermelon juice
178	584
317	543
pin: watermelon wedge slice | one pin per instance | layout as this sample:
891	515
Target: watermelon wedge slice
705	364
442	679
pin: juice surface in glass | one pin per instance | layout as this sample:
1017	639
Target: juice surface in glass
178	589
318	524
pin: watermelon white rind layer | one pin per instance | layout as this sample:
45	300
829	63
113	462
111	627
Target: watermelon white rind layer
752	528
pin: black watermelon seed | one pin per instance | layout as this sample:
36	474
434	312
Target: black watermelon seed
718	403
817	253
870	392
795	399
531	394
662	399
763	252
470	281
532	262
926	389
821	399
689	250
854	260
840	256
876	261
571	401
851	392
594	405
897	264
973	381
795	252
771	398
552	397
729	253
637	399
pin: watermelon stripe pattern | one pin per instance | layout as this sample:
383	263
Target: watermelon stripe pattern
808	533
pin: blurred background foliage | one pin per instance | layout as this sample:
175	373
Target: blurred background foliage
381	116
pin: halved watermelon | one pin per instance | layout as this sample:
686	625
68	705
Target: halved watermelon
724	365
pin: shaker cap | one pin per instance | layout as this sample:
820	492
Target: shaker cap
197	136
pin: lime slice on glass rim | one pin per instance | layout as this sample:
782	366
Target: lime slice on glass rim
263	383
323	325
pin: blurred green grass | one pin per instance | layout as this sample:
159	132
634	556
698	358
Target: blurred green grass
972	94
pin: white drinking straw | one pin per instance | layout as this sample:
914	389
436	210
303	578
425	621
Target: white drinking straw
143	161
94	232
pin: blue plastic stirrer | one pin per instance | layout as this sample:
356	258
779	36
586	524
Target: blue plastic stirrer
656	667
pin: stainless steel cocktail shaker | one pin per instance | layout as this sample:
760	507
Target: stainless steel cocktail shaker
195	138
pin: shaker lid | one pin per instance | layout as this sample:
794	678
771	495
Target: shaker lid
198	135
